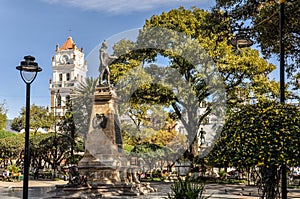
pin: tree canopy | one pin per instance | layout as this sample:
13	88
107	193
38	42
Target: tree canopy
40	117
264	134
263	19
197	48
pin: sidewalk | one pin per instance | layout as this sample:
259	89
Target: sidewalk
32	183
218	191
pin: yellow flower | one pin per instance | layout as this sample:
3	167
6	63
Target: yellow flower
260	164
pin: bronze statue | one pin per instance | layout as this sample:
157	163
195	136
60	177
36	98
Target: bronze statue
105	60
202	136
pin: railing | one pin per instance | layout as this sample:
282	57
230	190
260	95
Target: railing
63	84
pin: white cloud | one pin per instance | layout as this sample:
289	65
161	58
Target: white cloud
127	6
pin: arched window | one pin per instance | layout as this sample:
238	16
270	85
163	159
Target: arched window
60	77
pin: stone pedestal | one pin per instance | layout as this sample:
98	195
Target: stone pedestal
104	163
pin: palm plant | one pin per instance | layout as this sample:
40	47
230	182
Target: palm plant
82	104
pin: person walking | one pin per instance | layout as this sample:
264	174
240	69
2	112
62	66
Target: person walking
36	173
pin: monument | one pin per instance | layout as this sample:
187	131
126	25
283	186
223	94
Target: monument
106	170
104	163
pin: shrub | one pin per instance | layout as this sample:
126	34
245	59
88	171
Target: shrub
222	173
186	189
13	168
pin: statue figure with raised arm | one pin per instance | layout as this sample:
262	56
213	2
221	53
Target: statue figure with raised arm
105	60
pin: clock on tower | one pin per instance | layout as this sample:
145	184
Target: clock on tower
64	59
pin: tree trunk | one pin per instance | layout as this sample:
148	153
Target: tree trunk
269	183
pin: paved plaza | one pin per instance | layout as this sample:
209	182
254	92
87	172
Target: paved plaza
40	188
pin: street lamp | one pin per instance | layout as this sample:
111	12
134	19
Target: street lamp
57	103
241	39
282	97
28	71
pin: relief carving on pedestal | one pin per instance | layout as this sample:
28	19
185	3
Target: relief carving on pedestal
99	121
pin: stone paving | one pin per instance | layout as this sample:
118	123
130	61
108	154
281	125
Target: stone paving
215	190
39	189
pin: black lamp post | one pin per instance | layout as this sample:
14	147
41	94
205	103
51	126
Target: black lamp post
282	97
28	71
241	40
57	103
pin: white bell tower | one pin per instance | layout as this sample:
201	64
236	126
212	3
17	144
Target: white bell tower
69	68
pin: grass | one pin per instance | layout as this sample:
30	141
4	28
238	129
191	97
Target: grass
151	180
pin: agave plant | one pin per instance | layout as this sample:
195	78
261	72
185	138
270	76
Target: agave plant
186	189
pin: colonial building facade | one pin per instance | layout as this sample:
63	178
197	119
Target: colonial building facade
69	68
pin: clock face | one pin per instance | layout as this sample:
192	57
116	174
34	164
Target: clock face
64	59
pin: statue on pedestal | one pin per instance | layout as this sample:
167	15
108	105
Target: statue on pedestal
105	60
104	169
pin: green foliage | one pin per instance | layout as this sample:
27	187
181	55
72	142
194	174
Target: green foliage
79	144
82	104
201	37
69	131
39	118
50	147
186	189
11	146
14	168
3	116
146	150
3	119
74	159
67	125
222	173
264	134
17	124
149	152
4	134
264	21
128	148
153	139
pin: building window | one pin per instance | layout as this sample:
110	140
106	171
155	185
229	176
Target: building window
68	76
60	77
68	102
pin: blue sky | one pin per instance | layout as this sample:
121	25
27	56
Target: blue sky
34	27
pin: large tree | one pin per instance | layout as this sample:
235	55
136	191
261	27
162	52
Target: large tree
194	42
264	135
40	117
11	146
262	17
153	139
50	148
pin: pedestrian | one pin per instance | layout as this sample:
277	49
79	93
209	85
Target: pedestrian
36	173
6	175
